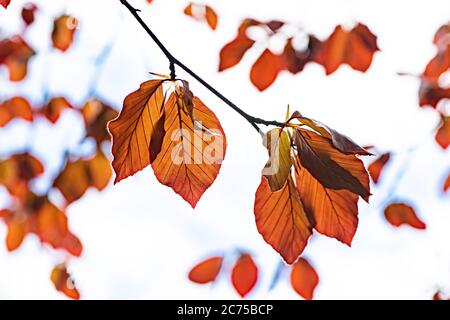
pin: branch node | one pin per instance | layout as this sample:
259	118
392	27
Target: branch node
173	75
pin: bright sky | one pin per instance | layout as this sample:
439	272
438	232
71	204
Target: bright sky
140	239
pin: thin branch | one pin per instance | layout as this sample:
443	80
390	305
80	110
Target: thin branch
254	121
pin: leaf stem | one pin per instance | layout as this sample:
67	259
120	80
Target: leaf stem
254	121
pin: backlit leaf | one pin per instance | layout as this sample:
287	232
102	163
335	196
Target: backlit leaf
202	13
443	133
446	185
28	13
63	282
53	109
96	115
304	279
354	47
431	93
265	70
15	54
244	274
376	168
279	146
282	220
14	108
398	214
63	33
5	3
206	271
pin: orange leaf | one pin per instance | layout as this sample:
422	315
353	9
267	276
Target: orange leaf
355	47
430	93
78	176
334	212
15	54
443	133
304	279
296	60
5	3
282	220
446	185
202	13
132	130
17	229
233	52
96	115
400	213
244	274
53	109
376	168
439	64
192	149
206	271
63	282
16	107
63	33
332	168
265	70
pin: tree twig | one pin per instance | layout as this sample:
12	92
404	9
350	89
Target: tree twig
254	121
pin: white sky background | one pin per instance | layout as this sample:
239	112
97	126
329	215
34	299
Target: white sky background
140	239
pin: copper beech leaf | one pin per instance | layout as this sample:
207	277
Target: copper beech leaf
63	282
38	215
354	47
186	152
244	274
431	93
15	54
96	115
64	28
265	69
334	213
398	214
279	146
15	108
80	175
53	109
304	279
5	3
201	12
446	185
332	168
206	271
28	13
282	220
443	133
376	167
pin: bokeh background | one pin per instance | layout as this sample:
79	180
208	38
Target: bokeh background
140	239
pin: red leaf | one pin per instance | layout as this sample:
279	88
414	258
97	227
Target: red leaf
304	278
15	54
244	275
446	185
430	93
376	168
5	3
443	134
206	271
14	108
355	47
202	13
398	214
265	70
28	12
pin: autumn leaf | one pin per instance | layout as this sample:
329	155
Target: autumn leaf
304	279
244	274
63	282
332	168
28	13
15	54
376	167
190	146
96	115
5	3
296	60
266	69
54	108
38	215
132	130
201	12
63	33
333	213
282	220
354	47
439	64
446	185
17	171
80	175
398	214
206	271
443	133
15	108
431	93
